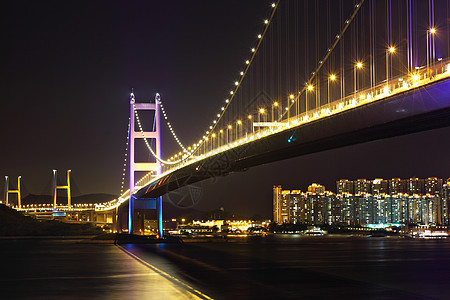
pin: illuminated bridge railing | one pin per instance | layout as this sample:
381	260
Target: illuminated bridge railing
49	207
396	85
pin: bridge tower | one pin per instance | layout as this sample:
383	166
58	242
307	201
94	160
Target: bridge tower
8	191
154	167
56	187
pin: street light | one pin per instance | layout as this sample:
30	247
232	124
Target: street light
253	127
239	122
261	119
358	65
390	50
429	31
206	144
220	131
332	77
212	141
275	104
228	128
261	112
310	89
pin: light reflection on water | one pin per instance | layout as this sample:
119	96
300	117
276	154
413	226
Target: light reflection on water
344	267
276	266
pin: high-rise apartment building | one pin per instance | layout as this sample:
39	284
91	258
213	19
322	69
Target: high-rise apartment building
445	201
415	186
277	203
433	186
397	186
297	206
344	186
316	188
379	186
362	186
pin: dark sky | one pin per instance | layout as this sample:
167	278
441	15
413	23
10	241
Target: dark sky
67	68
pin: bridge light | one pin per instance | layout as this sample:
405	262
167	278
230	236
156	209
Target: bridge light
247	62
226	101
432	30
273	4
391	49
213	135
259	36
310	87
253	50
242	73
332	77
261	110
266	21
218	115
239	122
231	92
291	96
222	108
221	131
249	116
359	65
275	104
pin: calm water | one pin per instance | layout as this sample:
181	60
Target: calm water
281	266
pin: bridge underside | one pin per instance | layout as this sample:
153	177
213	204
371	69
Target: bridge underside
412	111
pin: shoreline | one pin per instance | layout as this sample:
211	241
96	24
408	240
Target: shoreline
47	237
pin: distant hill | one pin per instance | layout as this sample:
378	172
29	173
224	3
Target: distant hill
14	223
170	210
48	199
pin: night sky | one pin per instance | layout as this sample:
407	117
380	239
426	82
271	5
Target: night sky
67	69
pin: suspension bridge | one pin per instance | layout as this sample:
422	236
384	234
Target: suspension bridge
319	75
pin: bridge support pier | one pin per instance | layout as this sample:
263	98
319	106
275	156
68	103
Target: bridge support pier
151	167
57	187
8	191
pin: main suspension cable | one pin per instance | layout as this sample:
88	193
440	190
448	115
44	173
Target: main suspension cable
125	160
189	154
174	135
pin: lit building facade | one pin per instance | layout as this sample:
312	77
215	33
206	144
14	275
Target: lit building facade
344	186
397	186
362	186
415	186
445	201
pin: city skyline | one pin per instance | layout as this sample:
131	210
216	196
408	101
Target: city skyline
362	202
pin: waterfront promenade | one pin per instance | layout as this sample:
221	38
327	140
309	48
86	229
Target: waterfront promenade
67	269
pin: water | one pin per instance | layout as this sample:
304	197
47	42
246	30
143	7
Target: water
280	266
